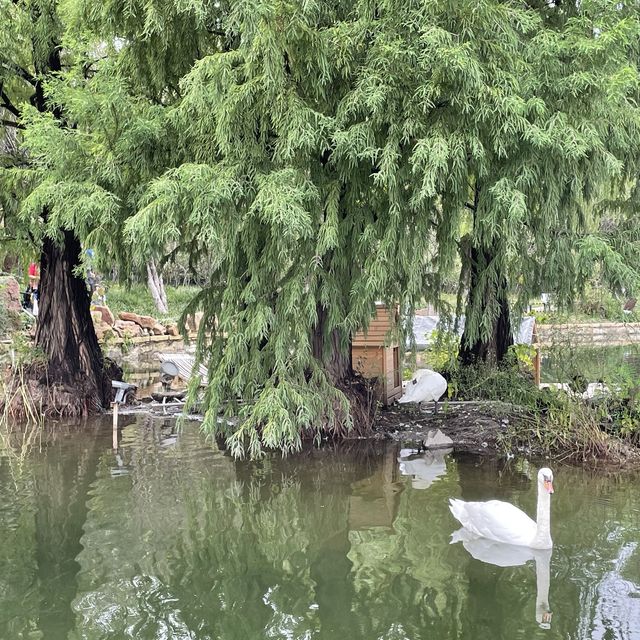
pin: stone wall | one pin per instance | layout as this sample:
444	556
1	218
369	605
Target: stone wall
601	334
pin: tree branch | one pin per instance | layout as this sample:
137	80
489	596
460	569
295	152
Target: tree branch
12	67
11	123
8	105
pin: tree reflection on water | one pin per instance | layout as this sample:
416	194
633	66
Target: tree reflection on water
168	537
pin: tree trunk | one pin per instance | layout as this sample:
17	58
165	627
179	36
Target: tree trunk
78	381
156	287
492	347
333	351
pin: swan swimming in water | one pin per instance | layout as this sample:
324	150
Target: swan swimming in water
503	522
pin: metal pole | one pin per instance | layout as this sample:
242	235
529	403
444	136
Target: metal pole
114	406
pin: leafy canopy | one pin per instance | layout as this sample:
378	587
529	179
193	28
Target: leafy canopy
324	155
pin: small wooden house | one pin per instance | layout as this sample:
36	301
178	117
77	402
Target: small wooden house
374	357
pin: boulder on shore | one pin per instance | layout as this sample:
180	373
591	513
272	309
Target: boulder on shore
106	314
103	330
146	322
172	330
126	328
10	294
158	329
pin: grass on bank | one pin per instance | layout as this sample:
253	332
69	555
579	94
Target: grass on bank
137	299
549	422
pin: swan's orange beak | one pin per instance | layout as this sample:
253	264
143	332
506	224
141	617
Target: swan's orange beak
548	485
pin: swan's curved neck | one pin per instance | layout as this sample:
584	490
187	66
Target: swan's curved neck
542	539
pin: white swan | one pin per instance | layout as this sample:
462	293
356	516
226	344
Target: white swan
425	386
503	522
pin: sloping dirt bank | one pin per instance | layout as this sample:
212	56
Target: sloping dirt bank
499	429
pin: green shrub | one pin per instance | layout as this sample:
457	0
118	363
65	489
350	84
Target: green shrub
506	383
442	351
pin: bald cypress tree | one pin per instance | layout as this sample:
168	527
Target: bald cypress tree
84	85
31	35
336	151
324	155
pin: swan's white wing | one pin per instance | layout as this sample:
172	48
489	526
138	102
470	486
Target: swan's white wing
495	520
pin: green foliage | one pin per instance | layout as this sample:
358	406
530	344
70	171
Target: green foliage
524	355
548	422
506	383
601	303
442	350
321	156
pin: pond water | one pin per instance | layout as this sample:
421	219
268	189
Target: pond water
167	537
610	364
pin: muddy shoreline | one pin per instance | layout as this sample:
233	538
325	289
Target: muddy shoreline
488	429
474	427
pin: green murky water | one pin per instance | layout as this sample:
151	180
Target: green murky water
618	364
169	538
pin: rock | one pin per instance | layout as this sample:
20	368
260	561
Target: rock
158	329
127	328
103	330
172	330
146	322
10	294
193	321
436	440
106	313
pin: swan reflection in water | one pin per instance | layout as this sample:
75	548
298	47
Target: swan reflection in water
424	468
509	555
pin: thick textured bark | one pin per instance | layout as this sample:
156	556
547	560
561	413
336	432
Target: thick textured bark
494	347
75	370
156	287
333	351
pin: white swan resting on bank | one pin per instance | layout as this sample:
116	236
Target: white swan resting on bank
425	386
502	521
